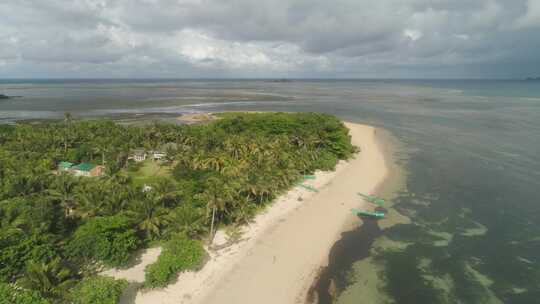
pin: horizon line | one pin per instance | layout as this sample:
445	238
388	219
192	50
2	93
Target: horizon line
261	78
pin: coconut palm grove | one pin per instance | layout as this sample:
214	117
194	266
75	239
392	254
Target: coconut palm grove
60	229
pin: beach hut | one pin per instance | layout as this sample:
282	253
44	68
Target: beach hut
87	170
158	155
138	155
64	166
164	150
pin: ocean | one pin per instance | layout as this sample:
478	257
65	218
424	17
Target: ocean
468	152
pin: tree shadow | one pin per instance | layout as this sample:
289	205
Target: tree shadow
130	293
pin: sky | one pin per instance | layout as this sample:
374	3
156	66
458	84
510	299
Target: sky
269	38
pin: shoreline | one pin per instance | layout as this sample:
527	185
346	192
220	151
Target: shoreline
356	243
283	250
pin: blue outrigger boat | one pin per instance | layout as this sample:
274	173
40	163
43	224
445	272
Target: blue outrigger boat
375	214
372	199
310	188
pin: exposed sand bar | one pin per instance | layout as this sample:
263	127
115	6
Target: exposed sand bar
285	247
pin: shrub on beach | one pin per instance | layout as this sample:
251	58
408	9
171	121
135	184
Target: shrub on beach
98	290
179	254
110	240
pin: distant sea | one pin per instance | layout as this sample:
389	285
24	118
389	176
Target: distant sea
470	150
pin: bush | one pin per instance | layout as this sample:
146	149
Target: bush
10	294
17	248
179	254
98	290
326	161
110	240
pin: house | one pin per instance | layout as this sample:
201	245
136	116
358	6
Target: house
64	166
87	169
138	155
162	152
158	155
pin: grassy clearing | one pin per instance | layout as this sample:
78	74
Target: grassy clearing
148	171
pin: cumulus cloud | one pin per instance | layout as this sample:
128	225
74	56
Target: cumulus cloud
531	18
269	38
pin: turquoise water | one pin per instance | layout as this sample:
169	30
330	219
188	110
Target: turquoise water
471	150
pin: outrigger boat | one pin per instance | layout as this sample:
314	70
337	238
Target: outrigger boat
372	199
309	176
376	214
311	188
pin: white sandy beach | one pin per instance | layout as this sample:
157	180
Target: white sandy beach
282	251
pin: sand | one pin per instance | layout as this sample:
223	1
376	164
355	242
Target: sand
281	252
135	273
196	118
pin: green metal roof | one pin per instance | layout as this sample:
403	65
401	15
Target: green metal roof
65	165
84	167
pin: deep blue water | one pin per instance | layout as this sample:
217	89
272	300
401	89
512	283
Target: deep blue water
472	150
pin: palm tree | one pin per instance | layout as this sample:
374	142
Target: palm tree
101	147
216	162
67	120
243	210
186	219
63	189
151	215
217	194
52	280
117	200
12	216
92	199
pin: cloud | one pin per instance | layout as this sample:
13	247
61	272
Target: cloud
413	34
268	38
531	18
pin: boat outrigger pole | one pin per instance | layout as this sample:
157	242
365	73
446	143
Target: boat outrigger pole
372	199
311	188
375	214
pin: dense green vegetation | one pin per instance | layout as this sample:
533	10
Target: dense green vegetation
179	254
98	290
56	229
108	239
10	294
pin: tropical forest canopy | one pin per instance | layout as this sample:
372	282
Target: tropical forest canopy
58	230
